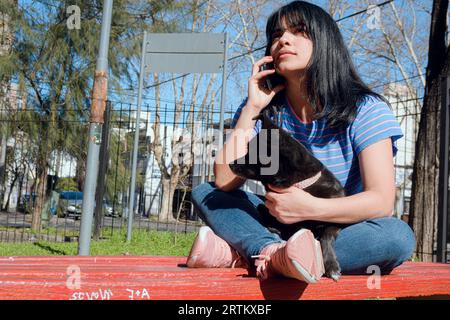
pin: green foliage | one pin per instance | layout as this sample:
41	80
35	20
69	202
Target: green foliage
67	184
142	243
55	66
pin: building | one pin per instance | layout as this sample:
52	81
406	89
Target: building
6	34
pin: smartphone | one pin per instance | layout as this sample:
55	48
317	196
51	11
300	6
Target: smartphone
273	80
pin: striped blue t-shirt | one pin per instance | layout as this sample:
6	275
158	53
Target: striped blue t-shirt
338	149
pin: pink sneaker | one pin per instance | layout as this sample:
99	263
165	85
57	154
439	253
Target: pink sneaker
211	251
299	258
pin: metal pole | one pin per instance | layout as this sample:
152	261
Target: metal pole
99	94
224	89
136	140
443	172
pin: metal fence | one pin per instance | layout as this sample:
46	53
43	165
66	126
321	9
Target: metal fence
44	167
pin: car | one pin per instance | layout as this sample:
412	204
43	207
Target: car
71	204
110	212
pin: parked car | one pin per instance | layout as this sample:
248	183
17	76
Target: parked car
109	212
71	203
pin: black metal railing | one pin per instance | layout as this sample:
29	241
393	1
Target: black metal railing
53	146
42	178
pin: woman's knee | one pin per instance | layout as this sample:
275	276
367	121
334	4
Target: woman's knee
400	238
386	242
208	198
200	191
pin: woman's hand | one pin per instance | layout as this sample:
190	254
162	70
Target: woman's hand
259	96
291	205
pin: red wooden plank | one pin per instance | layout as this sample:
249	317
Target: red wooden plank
129	277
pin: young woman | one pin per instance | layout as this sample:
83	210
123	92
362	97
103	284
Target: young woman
352	130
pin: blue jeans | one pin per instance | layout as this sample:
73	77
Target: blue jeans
233	216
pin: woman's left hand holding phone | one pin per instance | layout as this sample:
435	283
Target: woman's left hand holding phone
259	96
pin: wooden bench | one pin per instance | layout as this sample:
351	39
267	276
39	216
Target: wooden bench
138	278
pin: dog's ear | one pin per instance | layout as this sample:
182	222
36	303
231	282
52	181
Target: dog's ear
264	114
274	110
258	117
266	121
271	111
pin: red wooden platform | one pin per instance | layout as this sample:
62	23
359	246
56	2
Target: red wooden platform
166	278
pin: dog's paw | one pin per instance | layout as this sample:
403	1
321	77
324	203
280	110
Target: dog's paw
333	270
335	276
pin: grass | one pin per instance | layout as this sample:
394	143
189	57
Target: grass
142	243
50	231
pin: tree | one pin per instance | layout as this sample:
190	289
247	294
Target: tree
424	202
238	18
6	40
56	64
17	164
394	45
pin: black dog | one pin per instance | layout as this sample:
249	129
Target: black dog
296	166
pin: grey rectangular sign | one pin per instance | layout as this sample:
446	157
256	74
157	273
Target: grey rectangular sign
184	43
183	63
184	52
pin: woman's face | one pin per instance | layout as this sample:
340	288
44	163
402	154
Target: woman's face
291	50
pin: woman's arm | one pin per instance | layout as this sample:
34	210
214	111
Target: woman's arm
236	146
376	201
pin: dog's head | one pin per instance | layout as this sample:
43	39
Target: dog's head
274	157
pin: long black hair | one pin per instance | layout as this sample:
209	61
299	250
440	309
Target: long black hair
333	85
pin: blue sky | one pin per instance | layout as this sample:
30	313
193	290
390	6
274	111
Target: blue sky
387	71
236	91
